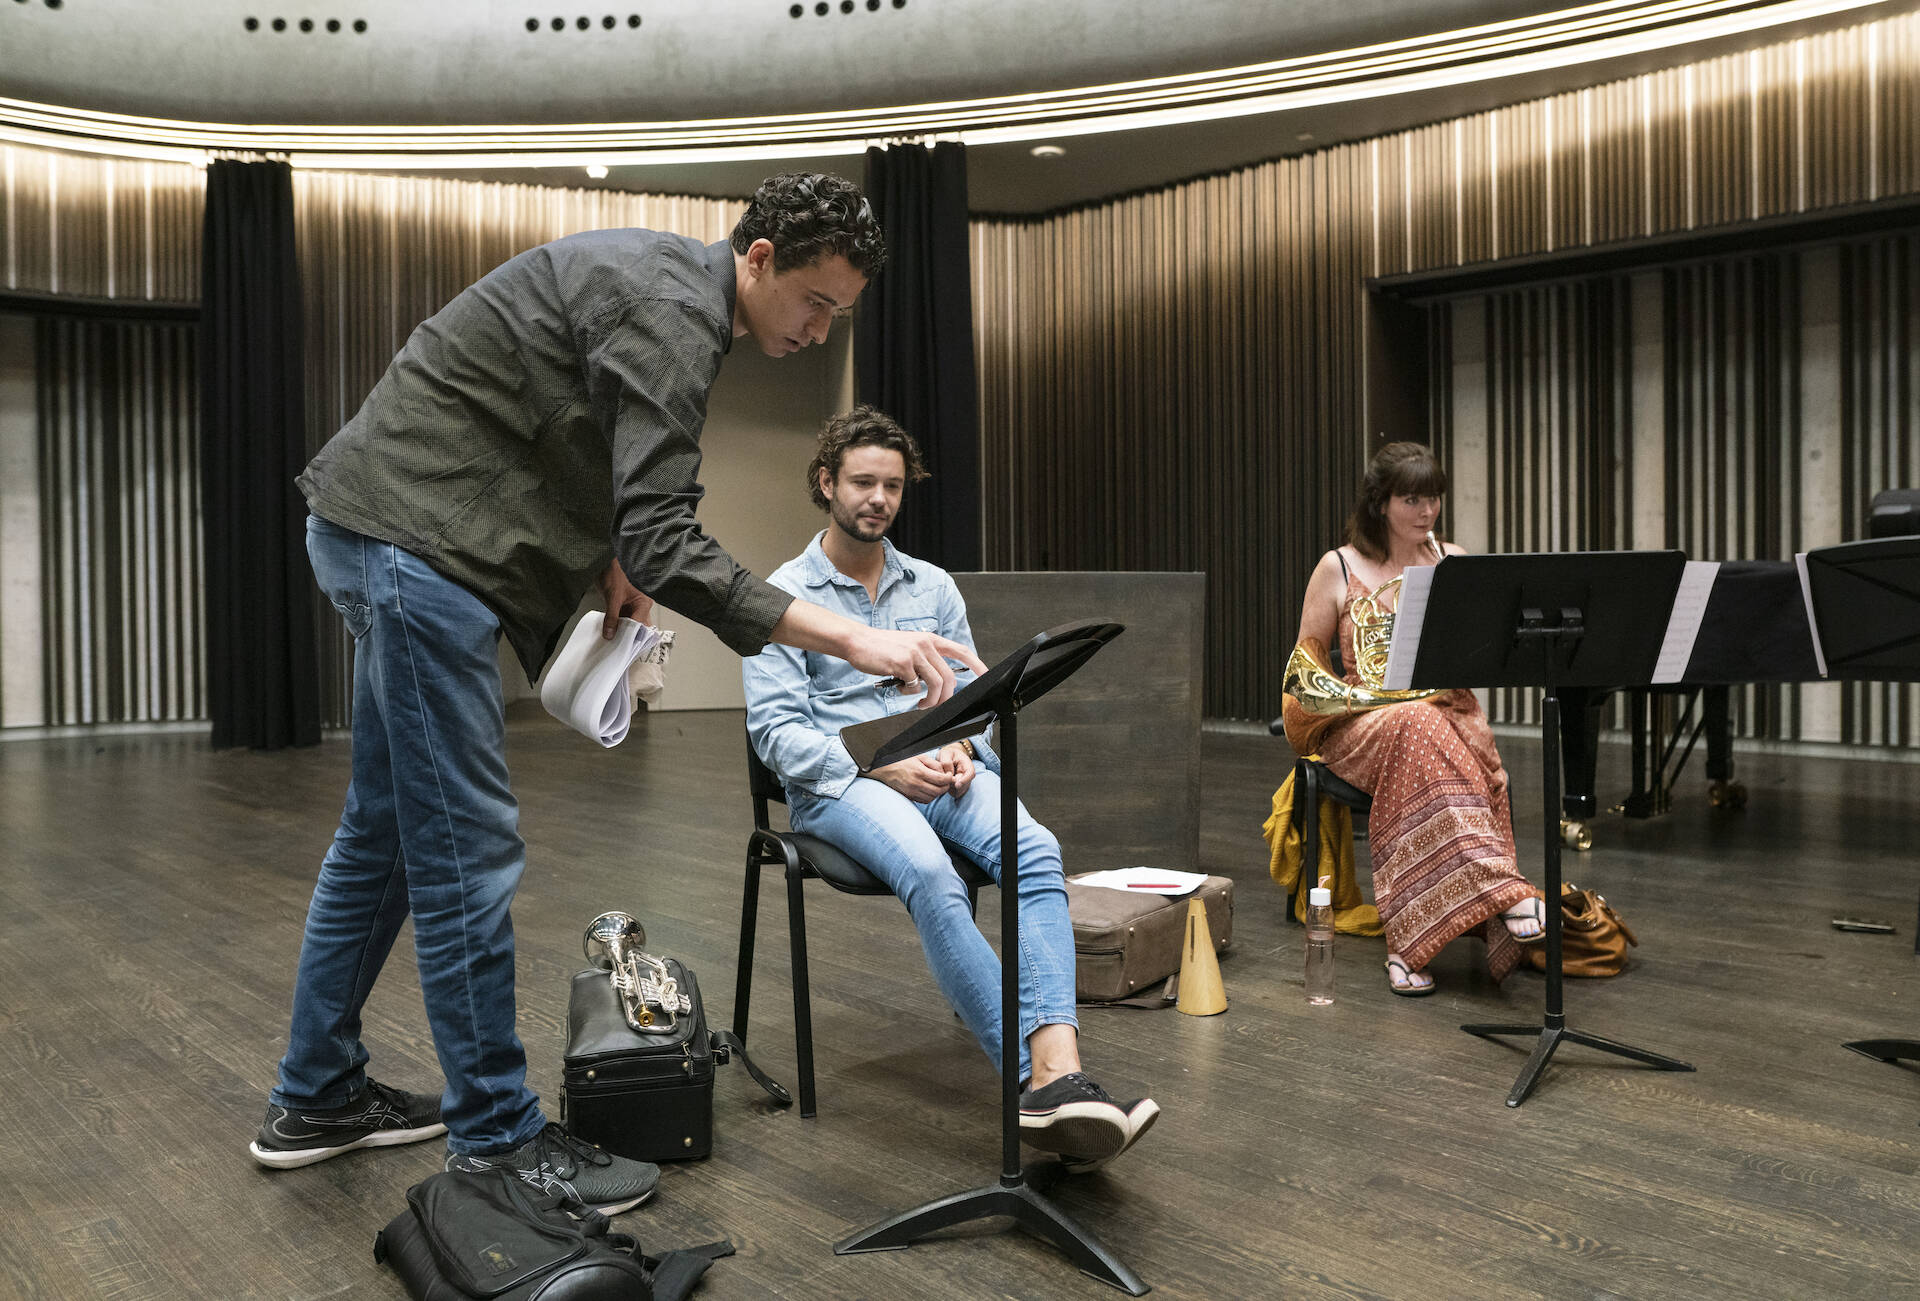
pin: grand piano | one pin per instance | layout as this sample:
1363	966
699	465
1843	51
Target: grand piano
1754	630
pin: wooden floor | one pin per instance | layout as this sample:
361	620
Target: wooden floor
151	898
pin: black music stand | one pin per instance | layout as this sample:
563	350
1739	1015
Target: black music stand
997	696
1579	619
1863	600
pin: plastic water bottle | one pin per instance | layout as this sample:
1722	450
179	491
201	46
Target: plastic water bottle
1320	946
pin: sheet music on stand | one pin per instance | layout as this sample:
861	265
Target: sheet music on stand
1416	584
1683	625
1676	649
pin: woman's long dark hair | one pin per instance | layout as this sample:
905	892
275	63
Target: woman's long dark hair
1396	470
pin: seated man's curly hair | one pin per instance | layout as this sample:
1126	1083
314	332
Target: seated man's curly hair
810	215
860	427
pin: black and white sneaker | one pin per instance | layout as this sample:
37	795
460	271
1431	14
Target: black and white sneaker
377	1116
554	1161
1074	1117
1141	1113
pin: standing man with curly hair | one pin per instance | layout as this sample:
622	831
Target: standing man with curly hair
539	434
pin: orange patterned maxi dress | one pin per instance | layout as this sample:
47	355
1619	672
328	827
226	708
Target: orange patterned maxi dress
1441	832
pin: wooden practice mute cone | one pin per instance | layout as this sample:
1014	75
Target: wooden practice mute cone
1201	993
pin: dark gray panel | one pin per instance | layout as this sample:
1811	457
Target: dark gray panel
1110	760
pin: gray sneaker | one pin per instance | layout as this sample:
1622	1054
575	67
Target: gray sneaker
554	1161
377	1116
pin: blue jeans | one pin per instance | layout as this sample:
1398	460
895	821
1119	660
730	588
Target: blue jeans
431	827
902	843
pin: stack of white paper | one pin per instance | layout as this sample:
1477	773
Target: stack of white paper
586	685
1143	880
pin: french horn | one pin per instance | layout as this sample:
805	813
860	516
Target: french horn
1315	697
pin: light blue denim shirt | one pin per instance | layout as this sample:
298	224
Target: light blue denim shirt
797	701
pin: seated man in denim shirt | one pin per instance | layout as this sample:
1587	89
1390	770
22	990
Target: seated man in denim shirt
897	821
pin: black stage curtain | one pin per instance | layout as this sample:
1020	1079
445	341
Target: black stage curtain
262	678
913	343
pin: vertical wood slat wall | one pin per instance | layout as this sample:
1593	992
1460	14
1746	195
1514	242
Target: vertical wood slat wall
99	227
119	507
1178	380
118	594
1879	318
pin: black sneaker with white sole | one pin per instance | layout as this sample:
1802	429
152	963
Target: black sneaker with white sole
1074	1117
1141	1113
554	1161
377	1116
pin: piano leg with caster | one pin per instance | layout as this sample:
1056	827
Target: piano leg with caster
1579	752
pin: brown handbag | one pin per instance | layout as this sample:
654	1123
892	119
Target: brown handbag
1593	939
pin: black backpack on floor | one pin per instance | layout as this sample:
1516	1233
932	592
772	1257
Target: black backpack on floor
488	1236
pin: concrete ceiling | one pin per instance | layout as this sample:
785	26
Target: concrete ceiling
475	62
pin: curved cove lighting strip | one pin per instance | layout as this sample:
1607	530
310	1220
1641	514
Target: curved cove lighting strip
1569	37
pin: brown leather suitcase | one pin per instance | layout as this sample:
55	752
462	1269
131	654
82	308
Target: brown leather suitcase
1126	942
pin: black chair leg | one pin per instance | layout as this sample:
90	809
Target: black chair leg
802	996
749	919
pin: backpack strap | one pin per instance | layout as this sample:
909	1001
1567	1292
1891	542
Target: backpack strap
675	1274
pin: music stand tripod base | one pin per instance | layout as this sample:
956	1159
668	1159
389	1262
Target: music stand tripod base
1552	1035
1028	1209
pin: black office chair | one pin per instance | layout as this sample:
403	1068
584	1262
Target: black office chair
802	856
1311	780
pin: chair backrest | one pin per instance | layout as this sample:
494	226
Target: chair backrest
762	785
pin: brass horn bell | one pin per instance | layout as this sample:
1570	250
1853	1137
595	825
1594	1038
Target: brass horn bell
1316	697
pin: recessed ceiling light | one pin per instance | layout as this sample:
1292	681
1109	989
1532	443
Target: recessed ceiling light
1048	151
597	171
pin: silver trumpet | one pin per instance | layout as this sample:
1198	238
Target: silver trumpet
649	995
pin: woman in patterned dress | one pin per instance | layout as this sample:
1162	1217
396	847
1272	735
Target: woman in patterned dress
1440	834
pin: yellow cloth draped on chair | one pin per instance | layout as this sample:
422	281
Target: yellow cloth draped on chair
1352	915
